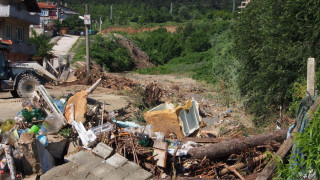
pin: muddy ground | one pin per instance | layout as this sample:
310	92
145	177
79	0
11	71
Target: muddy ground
174	88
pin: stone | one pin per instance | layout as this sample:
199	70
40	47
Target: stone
139	174
28	150
73	147
116	160
103	150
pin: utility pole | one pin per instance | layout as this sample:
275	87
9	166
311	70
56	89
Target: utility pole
100	25
111	12
234	5
95	25
87	24
171	8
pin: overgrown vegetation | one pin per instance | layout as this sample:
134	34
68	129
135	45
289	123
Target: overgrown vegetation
259	54
109	54
273	40
306	163
42	44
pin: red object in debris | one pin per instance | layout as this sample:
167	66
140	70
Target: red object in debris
2	171
6	42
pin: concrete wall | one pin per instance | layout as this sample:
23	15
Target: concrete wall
18	10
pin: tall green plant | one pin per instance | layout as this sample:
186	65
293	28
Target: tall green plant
42	44
273	40
306	163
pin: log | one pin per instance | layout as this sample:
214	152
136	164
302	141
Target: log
203	140
282	152
236	145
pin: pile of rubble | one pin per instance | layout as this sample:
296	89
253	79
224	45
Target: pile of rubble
109	81
51	136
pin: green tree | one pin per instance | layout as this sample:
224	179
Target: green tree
273	40
42	44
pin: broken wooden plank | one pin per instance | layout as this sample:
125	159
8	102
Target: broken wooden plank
236	145
94	86
242	165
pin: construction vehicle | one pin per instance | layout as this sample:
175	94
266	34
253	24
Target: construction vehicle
21	78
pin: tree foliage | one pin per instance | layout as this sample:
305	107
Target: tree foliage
273	40
110	55
151	11
43	47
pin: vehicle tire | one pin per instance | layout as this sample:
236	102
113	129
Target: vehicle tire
14	93
26	85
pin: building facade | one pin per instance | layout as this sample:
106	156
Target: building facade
51	11
16	16
48	12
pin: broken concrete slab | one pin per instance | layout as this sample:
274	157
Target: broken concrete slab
103	150
59	172
116	160
83	157
102	170
73	147
138	175
56	145
28	153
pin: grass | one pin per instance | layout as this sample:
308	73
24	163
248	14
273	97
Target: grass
79	50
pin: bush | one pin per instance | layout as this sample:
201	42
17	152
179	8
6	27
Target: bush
42	44
110	55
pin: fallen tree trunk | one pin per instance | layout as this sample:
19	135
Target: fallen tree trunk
282	152
236	145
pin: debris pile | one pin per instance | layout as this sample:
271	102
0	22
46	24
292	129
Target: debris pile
172	142
109	81
152	94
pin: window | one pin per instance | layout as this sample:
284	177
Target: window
8	31
44	13
19	33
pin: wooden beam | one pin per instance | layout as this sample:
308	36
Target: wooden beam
311	76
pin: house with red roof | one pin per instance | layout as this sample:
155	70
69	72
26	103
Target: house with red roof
48	12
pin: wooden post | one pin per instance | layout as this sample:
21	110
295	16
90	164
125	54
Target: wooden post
87	43
311	76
